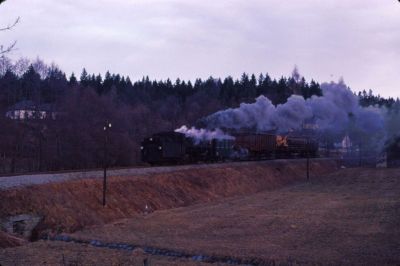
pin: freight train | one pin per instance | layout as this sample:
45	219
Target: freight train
176	148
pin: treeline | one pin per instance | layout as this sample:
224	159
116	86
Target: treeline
74	137
48	84
368	99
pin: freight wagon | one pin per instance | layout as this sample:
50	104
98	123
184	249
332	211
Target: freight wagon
296	147
176	148
258	146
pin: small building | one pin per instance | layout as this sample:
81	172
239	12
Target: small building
30	110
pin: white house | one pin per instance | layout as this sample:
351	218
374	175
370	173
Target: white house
29	110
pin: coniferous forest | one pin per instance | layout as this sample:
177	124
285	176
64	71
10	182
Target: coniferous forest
53	122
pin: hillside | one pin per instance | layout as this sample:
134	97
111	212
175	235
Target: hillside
349	217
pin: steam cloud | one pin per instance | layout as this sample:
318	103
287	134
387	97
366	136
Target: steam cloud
202	134
335	114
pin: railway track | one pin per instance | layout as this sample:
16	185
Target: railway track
8	182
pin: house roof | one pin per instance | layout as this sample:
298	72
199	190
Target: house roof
23	105
30	105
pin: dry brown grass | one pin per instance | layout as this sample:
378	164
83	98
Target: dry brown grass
73	205
8	240
70	254
351	217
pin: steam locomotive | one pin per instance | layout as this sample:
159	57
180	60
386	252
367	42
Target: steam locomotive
176	148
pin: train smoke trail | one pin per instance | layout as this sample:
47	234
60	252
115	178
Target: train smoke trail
335	114
202	134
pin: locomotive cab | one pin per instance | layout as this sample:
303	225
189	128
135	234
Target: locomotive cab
164	148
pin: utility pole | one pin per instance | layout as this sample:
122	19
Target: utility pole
308	166
106	128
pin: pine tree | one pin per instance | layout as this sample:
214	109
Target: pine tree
84	79
72	80
31	84
315	89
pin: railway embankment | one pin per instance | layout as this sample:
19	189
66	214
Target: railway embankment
23	180
70	205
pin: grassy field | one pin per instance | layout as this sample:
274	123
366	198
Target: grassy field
69	254
350	217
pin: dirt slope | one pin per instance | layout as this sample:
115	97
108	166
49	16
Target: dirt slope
73	205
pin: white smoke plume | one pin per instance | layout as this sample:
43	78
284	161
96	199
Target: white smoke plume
335	114
202	134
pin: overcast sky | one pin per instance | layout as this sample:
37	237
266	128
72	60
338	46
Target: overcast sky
326	39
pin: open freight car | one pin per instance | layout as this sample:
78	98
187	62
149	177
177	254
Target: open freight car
270	146
258	146
295	147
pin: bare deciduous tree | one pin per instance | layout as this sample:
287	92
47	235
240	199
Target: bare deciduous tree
8	48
